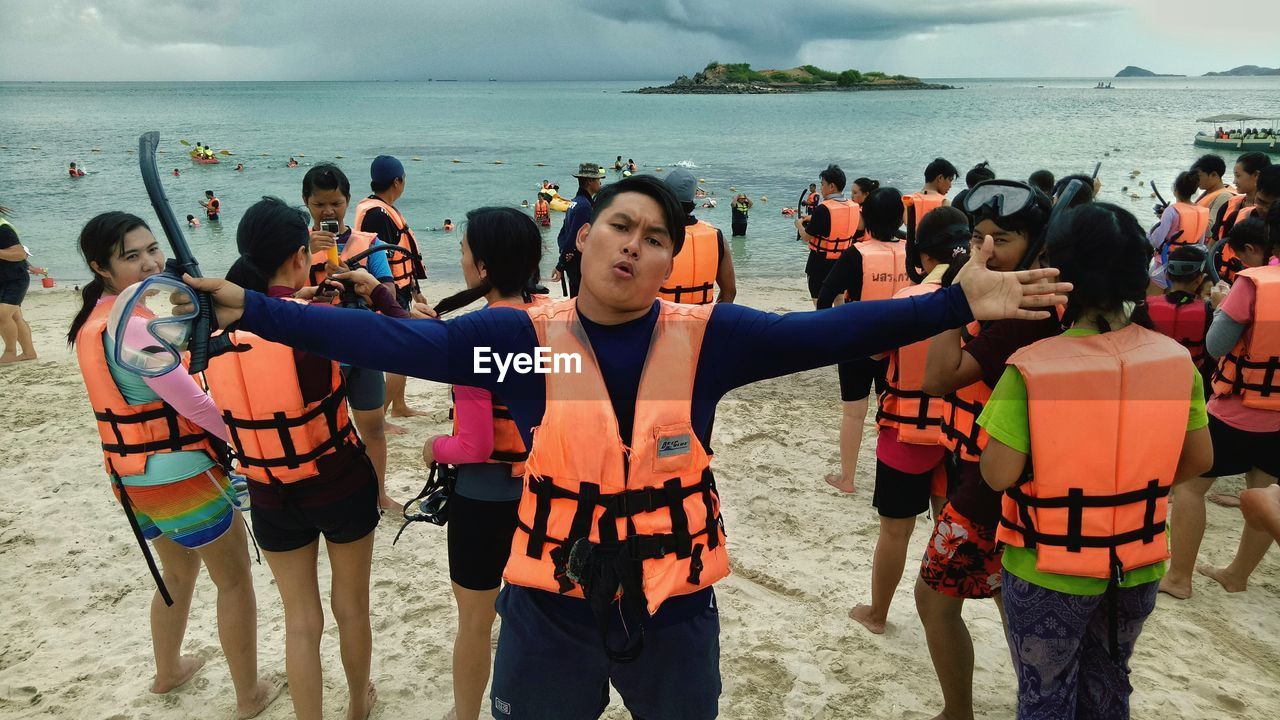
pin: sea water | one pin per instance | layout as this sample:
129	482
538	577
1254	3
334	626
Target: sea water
507	137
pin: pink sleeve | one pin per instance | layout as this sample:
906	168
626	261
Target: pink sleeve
473	443
190	400
178	388
1238	304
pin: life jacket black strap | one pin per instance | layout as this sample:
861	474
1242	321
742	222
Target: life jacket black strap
137	534
174	442
1074	502
340	433
680	291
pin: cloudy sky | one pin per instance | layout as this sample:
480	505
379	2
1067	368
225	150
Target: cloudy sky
619	39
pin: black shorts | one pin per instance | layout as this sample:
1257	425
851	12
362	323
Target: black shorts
404	297
480	534
817	268
857	377
551	664
293	516
366	389
901	495
1236	451
14	289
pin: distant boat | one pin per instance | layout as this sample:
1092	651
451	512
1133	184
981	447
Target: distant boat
1260	135
1101	86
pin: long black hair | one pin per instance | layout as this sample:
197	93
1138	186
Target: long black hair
1103	252
944	237
509	244
100	240
270	232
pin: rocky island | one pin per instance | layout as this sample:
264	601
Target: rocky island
1134	71
1245	71
740	79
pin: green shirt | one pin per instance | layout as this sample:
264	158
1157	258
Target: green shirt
1005	419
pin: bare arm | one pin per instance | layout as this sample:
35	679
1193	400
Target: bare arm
947	367
726	278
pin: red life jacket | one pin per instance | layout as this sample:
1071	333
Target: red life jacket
1185	320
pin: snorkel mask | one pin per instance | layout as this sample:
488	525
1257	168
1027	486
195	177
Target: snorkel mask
148	339
1187	268
1001	200
432	504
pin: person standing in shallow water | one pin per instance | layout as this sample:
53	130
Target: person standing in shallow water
741	206
554	648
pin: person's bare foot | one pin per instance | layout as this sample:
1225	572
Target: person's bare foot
1227	500
393	429
390	505
837	482
863	614
27	356
406	411
1228	583
188	666
9	357
268	690
363	709
451	715
1175	588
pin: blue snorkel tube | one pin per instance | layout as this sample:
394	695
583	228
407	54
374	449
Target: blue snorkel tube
202	344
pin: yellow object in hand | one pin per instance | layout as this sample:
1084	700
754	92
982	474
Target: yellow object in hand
334	260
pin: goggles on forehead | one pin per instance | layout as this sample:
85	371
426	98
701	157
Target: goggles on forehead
148	338
999	198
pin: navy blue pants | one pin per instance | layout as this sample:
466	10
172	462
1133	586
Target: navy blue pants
1060	645
551	663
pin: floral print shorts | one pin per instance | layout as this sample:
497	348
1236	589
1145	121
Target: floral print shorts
962	559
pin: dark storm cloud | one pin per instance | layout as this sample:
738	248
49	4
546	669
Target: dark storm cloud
778	28
413	39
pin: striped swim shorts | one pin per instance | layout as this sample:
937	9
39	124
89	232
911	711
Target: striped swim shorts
192	512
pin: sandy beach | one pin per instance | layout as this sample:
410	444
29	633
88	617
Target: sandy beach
74	638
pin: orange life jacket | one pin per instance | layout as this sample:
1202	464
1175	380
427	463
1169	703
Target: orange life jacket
1193	224
212	208
904	404
508	446
1229	216
356	243
277	435
129	433
884	269
917	205
1206	199
694	268
1108	417
654	500
846	215
402	266
961	433
1252	368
